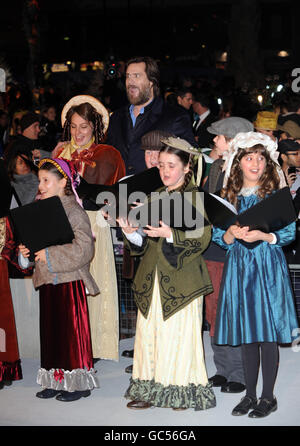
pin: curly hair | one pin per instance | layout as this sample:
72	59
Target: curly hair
88	113
268	182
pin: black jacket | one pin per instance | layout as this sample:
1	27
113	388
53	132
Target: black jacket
158	115
204	138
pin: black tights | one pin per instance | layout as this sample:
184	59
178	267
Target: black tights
251	361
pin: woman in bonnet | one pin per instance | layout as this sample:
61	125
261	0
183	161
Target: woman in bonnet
85	121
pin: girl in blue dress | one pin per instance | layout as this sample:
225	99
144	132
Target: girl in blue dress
256	305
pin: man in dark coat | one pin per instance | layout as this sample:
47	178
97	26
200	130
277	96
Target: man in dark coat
27	142
204	119
146	111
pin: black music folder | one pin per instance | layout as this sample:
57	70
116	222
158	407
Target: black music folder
269	215
41	224
147	181
176	210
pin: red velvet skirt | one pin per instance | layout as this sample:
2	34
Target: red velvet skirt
10	366
64	327
215	271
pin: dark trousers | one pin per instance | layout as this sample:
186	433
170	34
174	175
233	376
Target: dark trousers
228	362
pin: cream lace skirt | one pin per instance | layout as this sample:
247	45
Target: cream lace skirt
168	365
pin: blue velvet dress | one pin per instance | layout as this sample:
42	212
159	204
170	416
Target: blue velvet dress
256	301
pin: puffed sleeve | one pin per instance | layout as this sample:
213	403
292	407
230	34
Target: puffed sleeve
217	237
72	256
286	235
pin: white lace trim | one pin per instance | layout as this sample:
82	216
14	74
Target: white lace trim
60	379
247	191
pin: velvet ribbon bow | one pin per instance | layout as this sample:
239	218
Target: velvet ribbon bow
58	375
84	156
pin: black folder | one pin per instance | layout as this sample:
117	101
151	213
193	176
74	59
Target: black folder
146	182
175	210
269	215
41	224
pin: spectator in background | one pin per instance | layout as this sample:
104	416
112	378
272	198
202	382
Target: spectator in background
50	130
288	130
147	111
27	142
185	97
292	109
23	177
4	130
290	162
266	123
203	119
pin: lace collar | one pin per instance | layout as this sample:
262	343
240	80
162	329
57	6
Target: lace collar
247	191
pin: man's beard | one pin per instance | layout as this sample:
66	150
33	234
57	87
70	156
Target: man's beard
143	96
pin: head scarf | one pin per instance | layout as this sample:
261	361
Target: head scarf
67	169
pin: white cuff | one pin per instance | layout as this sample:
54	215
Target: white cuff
170	239
274	241
23	261
135	238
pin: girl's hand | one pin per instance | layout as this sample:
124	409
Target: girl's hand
256	235
24	251
125	225
233	232
162	231
40	256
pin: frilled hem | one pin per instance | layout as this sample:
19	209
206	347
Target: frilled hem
10	371
193	396
60	379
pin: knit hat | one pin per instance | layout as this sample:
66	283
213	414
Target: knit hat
152	140
291	128
28	119
266	120
230	126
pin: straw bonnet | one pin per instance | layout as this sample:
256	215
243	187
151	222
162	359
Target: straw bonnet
180	144
81	99
266	120
185	146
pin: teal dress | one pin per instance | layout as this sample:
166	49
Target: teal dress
256	302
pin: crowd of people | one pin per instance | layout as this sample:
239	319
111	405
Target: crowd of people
176	142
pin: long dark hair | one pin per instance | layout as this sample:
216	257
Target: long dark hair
12	162
186	160
268	182
88	113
